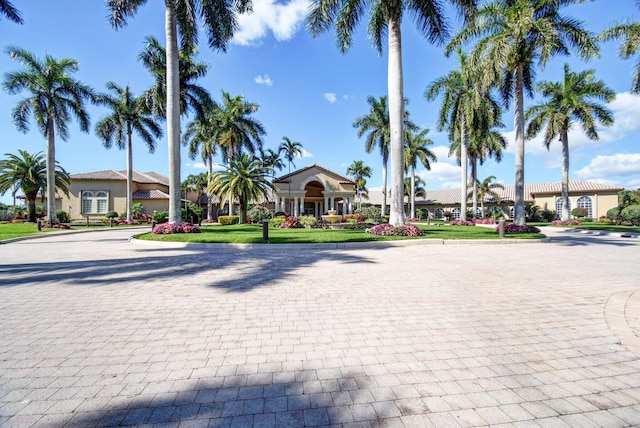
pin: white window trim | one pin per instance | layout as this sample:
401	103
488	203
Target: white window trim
94	199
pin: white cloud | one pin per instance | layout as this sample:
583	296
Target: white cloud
330	96
618	165
305	154
283	20
263	80
442	153
196	165
441	175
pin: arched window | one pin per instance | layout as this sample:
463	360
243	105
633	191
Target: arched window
585	202
559	207
95	202
87	202
439	214
455	213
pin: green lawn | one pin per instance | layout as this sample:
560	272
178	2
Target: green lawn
16	230
609	227
252	234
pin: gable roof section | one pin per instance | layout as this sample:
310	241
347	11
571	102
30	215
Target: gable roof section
150	194
113	175
340	178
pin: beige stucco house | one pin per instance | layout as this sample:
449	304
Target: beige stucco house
314	190
93	194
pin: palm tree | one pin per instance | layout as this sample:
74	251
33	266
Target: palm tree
466	107
385	20
630	33
486	188
574	100
220	22
414	187
29	173
272	160
237	130
360	172
54	94
417	150
290	149
377	127
193	97
513	35
202	135
10	12
485	143
126	117
246	178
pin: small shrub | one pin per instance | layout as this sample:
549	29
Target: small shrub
569	222
386	229
276	222
579	212
138	209
413	219
485	221
308	221
170	228
280	214
111	214
371	213
62	216
463	223
358	226
257	213
289	223
514	228
160	217
357	218
226	220
206	220
126	222
420	213
55	226
631	214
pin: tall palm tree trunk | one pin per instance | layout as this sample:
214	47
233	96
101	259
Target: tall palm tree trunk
31	205
413	192
129	177
385	162
51	172
173	112
564	140
518	119
464	163
474	180
209	202
396	123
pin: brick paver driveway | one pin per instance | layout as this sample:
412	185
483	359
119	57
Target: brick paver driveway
96	331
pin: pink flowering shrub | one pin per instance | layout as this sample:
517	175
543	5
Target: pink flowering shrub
206	220
462	223
413	219
121	222
55	226
289	223
514	228
485	221
566	223
385	229
359	218
169	228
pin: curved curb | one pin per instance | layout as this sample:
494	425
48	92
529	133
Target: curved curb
622	313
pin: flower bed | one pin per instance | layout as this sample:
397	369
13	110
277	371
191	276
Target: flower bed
514	228
566	223
386	229
462	223
169	228
289	223
55	226
485	221
126	222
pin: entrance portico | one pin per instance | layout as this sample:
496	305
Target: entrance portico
314	191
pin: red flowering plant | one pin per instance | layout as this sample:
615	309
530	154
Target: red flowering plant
289	223
170	228
462	223
385	229
566	223
55	226
514	228
359	218
485	221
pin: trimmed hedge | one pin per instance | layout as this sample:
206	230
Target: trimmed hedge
225	220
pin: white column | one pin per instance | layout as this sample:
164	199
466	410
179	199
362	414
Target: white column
326	204
344	206
350	206
295	206
333	203
301	205
277	207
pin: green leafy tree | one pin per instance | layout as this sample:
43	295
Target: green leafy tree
28	173
513	37
385	22
574	100
629	32
127	116
360	172
417	150
10	12
219	20
271	159
290	150
487	189
247	179
237	129
54	96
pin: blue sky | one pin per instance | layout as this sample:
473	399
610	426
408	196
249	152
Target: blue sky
308	91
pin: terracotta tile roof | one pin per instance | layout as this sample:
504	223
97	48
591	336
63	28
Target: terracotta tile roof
113	175
452	196
150	194
341	179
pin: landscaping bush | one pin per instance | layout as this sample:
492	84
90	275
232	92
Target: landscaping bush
62	216
485	221
570	222
170	228
463	223
413	219
111	214
358	226
138	209
514	228
126	222
631	214
257	213
357	218
289	223
370	213
55	226
308	221
420	213
276	222
579	212
160	217
226	220
614	215
280	214
386	229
